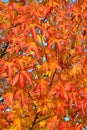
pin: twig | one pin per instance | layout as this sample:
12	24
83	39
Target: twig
34	122
42	120
52	78
33	102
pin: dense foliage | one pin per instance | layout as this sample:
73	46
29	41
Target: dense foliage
43	65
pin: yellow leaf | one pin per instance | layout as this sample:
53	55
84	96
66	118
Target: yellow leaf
42	123
48	73
39	66
67	0
17	124
85	80
39	38
12	128
32	52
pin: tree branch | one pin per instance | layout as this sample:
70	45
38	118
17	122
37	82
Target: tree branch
34	122
42	120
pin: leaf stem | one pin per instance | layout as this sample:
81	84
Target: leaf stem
52	78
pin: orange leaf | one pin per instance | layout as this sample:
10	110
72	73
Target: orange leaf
15	79
9	98
32	46
26	74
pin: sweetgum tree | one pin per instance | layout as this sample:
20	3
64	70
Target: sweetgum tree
43	65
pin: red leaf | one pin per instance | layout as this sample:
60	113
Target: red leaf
59	46
21	80
39	26
15	79
47	11
10	70
65	95
74	98
26	74
85	103
34	33
3	67
79	49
